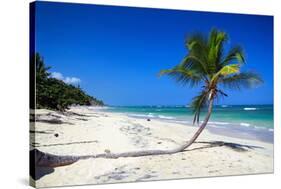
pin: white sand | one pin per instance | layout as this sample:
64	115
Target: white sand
99	131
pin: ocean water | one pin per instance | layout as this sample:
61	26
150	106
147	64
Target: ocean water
243	121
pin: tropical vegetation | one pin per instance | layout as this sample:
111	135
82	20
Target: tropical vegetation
55	94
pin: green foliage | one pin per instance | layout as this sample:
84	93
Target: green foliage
54	94
197	103
206	64
183	75
244	79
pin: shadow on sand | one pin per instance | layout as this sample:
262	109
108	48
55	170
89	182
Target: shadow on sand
234	146
37	172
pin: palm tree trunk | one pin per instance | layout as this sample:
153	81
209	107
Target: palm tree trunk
201	128
50	160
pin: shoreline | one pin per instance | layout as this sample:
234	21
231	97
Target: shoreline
244	130
81	131
219	130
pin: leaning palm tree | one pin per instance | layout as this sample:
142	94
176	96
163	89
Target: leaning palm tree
209	66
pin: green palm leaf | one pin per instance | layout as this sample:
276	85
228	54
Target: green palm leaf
197	47
215	49
225	71
229	69
244	79
197	104
182	75
235	54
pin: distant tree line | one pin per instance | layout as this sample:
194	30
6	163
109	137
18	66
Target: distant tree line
55	94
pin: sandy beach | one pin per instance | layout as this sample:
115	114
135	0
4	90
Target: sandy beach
83	131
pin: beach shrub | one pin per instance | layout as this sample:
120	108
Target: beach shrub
55	94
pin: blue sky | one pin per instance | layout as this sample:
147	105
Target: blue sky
115	53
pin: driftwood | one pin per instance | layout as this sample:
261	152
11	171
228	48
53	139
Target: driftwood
42	159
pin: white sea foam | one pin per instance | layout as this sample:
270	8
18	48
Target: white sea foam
182	121
257	127
224	106
271	130
97	107
141	115
137	115
219	123
214	126
245	124
165	117
250	109
150	115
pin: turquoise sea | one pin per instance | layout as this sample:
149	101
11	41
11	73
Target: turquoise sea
243	121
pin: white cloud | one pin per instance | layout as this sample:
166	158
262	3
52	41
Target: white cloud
57	75
68	80
72	80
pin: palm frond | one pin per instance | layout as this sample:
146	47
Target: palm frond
183	75
225	71
235	54
215	49
196	40
198	103
193	63
229	69
243	79
197	48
